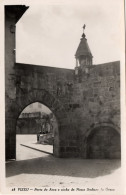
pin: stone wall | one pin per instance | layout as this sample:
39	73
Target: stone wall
12	15
10	90
88	100
56	80
98	96
80	102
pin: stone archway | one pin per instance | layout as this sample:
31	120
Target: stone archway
22	101
103	142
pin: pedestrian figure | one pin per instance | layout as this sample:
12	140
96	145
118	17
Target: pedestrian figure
38	135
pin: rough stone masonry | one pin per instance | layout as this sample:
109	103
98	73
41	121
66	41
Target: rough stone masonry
85	101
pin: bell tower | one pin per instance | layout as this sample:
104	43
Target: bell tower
83	54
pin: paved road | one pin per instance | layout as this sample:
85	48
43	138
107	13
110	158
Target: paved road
37	169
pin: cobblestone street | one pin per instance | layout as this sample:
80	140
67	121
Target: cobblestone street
38	169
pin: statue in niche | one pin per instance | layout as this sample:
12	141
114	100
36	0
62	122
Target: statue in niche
59	89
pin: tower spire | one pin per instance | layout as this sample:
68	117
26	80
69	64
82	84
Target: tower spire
83	54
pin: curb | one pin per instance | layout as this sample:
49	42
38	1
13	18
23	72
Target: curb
37	149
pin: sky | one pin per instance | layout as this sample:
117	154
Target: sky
36	107
49	33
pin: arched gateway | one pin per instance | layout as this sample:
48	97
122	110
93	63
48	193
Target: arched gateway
103	142
23	101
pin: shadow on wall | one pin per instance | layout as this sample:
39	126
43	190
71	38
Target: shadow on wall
49	165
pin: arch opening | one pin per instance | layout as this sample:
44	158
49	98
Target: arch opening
103	142
36	128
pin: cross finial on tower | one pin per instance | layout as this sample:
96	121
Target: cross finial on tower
83	35
84	27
